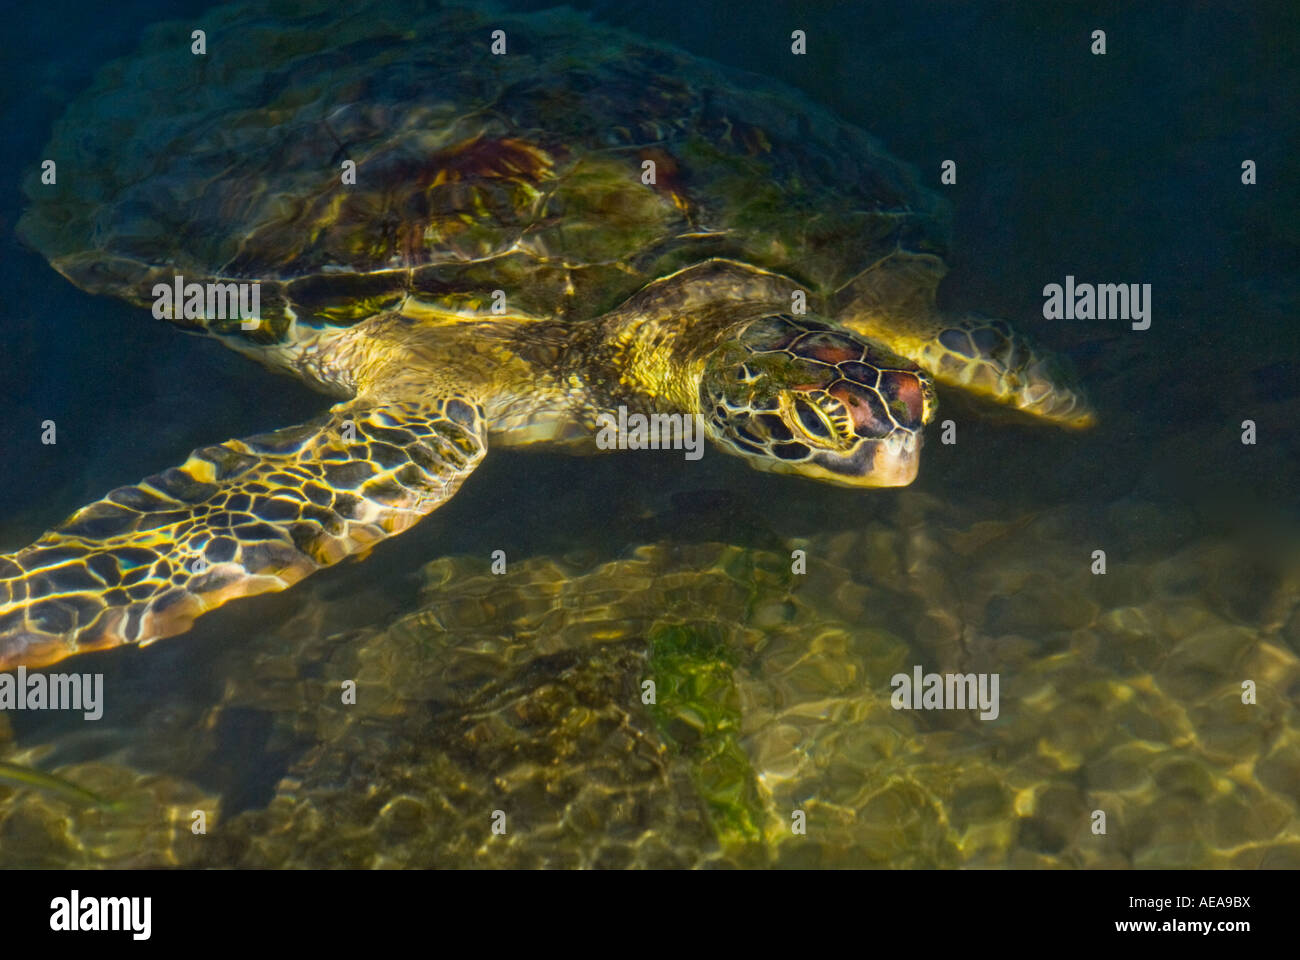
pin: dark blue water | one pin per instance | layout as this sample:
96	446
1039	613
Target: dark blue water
1117	168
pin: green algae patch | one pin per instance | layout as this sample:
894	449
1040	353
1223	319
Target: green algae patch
697	709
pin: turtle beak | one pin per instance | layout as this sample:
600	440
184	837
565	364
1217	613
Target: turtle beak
890	462
897	459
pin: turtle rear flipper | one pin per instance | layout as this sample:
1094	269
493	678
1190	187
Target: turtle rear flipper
236	519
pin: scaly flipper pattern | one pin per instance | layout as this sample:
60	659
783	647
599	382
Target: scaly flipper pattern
236	519
893	301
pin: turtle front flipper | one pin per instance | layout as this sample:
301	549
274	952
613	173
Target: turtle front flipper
987	358
236	519
893	302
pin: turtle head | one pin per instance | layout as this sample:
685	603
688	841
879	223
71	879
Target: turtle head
793	395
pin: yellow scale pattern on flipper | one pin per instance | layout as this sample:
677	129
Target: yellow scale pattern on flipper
239	518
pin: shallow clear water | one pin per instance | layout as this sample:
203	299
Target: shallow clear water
521	692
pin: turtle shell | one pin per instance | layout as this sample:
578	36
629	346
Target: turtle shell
526	172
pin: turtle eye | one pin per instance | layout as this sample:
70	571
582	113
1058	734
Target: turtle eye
819	418
811	420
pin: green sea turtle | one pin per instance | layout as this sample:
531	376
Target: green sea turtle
477	248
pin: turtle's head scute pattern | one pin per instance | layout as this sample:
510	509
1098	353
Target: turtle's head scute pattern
794	395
